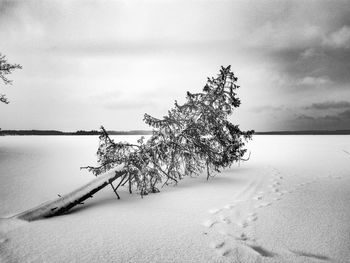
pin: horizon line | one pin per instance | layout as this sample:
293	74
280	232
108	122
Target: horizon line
149	132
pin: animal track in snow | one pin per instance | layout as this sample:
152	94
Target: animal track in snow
242	224
242	237
225	219
258	197
252	217
209	223
263	205
229	206
3	239
226	252
218	245
262	251
214	211
235	220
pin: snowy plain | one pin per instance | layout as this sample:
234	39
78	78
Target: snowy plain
288	203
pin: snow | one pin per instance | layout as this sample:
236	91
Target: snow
288	203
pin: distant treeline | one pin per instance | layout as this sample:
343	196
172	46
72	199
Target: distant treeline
143	132
310	132
81	132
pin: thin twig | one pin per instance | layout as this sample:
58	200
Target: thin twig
114	190
246	158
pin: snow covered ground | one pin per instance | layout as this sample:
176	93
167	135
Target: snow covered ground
288	203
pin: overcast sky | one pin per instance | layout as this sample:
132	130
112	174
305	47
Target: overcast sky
92	63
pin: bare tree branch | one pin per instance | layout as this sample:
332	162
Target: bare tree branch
6	69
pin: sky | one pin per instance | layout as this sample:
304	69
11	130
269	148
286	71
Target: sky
92	63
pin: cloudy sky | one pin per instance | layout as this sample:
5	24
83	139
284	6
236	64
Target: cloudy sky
92	63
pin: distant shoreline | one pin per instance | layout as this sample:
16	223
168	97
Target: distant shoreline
145	132
77	133
306	132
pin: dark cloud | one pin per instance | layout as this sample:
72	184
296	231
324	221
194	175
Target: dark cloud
328	122
305	122
304	117
314	67
329	105
327	118
309	44
6	7
345	114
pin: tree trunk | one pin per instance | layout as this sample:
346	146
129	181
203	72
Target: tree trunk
63	204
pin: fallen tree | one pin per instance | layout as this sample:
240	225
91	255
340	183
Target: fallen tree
68	201
192	137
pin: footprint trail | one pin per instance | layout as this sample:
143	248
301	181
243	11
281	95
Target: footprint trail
232	225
